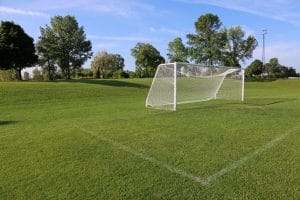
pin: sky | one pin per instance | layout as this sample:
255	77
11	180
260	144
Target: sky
117	25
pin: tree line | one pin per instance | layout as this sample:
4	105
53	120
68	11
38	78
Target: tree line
62	49
272	69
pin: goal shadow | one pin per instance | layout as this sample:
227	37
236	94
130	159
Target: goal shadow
108	82
269	101
7	122
247	104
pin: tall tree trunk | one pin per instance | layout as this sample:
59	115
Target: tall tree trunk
19	74
68	73
49	70
68	68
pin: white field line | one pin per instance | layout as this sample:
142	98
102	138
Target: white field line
259	151
183	173
148	158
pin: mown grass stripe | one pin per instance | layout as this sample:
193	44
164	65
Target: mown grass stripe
257	152
147	158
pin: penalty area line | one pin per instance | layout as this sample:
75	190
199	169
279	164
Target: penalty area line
142	156
203	181
257	152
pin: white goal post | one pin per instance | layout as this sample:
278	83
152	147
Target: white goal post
179	83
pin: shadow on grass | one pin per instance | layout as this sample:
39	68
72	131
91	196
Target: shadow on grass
269	101
203	106
7	122
109	82
188	107
216	104
259	79
280	101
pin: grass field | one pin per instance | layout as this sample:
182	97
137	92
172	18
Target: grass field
96	140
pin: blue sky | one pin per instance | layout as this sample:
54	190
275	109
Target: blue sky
117	25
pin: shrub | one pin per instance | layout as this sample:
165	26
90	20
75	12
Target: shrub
8	75
37	75
26	76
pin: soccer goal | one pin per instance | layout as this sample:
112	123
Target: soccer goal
180	83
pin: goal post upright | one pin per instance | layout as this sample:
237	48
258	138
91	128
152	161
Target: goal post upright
175	86
243	84
152	83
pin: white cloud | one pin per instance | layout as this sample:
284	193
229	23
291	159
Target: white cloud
105	46
166	30
281	10
152	29
9	10
115	7
121	8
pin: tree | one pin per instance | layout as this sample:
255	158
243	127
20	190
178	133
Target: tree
238	48
177	51
209	41
276	70
131	74
37	74
86	73
104	64
273	67
65	42
291	72
254	69
46	61
147	58
120	74
26	76
8	75
16	48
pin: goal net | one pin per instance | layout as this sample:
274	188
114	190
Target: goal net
179	83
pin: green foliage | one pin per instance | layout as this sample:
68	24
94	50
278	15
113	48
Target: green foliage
147	58
48	75
254	69
105	65
291	72
276	70
238	48
216	45
46	60
37	74
85	73
16	48
8	75
46	153
177	52
209	41
26	76
120	74
131	74
273	69
65	43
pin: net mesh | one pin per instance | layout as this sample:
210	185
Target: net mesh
178	83
161	94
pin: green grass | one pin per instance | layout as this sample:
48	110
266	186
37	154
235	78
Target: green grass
52	147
